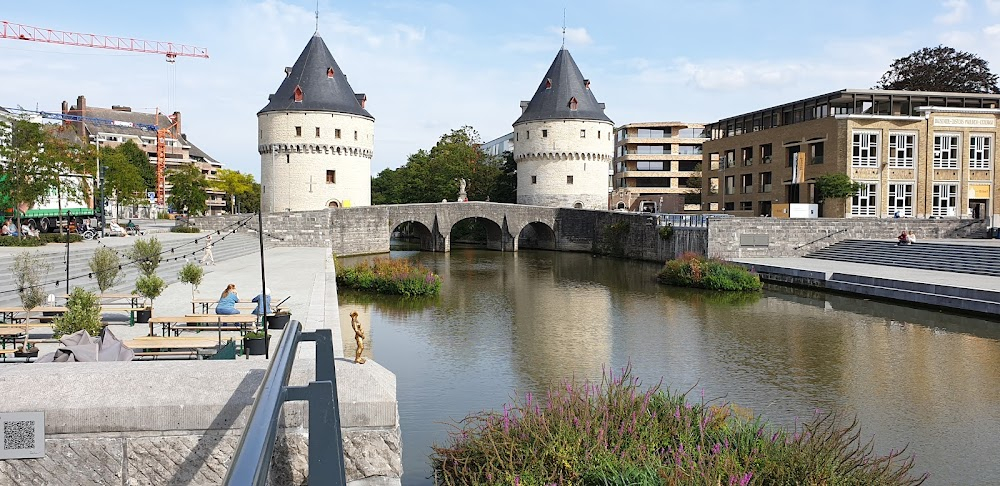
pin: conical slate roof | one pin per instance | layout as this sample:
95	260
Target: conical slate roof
562	83
322	90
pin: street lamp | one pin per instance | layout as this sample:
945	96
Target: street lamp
99	203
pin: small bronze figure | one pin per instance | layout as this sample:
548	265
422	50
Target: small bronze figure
359	337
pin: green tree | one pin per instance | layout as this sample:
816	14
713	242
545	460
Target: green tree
122	181
233	183
30	164
835	186
505	190
187	194
432	176
249	201
940	68
139	159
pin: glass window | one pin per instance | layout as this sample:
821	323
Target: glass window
652	133
902	149
652	149
901	199
691	133
649	165
765	182
331	177
816	153
980	151
569	179
746	205
730	184
946	151
746	183
864	149
545	133
865	200
765	153
945	199
534	179
336	133
298	131
583	134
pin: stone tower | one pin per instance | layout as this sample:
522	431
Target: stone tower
563	142
315	138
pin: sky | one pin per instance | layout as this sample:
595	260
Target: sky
431	67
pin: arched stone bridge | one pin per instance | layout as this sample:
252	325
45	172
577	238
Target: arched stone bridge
508	226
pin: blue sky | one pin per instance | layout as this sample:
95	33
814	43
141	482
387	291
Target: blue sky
429	67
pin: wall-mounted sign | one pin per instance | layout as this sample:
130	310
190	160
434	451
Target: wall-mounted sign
964	121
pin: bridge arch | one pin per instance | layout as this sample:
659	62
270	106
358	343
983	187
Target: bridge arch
495	233
537	235
415	232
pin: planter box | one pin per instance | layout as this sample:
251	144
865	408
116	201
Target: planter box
29	354
278	321
256	347
143	315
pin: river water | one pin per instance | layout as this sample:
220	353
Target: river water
510	323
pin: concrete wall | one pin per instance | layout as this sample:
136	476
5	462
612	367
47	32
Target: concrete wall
304	228
797	237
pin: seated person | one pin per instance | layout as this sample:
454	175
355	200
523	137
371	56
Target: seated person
902	239
263	304
116	229
5	229
27	231
910	238
132	227
227	302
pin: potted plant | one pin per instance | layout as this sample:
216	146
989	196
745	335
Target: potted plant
83	311
28	350
254	342
150	287
191	273
279	319
107	268
29	270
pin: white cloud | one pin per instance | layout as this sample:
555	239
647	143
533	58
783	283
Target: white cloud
993	6
992	31
575	36
958	9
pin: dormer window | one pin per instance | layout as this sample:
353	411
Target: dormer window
586	83
572	103
548	83
329	72
298	94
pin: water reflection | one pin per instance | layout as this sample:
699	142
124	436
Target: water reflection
519	322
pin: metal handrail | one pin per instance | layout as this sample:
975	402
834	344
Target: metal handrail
252	459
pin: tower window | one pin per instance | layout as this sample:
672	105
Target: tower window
545	133
336	133
355	134
583	134
298	131
598	134
573	103
534	179
527	134
317	132
569	179
298	94
331	177
548	83
329	72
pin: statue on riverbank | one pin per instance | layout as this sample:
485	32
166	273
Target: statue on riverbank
462	197
359	338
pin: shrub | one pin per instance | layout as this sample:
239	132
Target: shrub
83	311
18	241
184	229
616	434
107	267
691	270
666	231
613	238
146	254
59	238
191	273
390	276
150	286
29	270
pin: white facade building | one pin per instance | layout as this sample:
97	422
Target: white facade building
563	142
315	138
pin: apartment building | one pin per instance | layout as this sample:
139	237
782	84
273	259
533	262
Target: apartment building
178	150
915	154
654	165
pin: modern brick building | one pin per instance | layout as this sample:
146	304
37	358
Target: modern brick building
916	154
315	138
563	142
179	151
653	162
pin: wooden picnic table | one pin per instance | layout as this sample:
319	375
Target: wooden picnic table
208	304
175	345
215	322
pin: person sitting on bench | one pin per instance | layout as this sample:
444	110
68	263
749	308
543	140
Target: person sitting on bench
263	303
227	302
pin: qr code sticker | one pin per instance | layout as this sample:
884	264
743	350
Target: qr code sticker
19	434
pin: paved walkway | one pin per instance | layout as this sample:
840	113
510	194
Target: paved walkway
297	272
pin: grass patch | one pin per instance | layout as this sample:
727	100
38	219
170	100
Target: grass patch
617	434
692	270
391	276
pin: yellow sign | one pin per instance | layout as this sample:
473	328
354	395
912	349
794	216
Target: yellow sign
979	191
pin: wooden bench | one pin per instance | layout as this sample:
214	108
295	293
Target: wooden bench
170	346
192	353
203	322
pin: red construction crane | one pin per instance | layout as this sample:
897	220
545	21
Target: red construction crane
11	30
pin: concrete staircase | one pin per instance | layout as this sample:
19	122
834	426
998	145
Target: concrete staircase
942	257
226	246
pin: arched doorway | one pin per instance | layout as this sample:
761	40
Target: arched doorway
578	205
537	235
333	204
